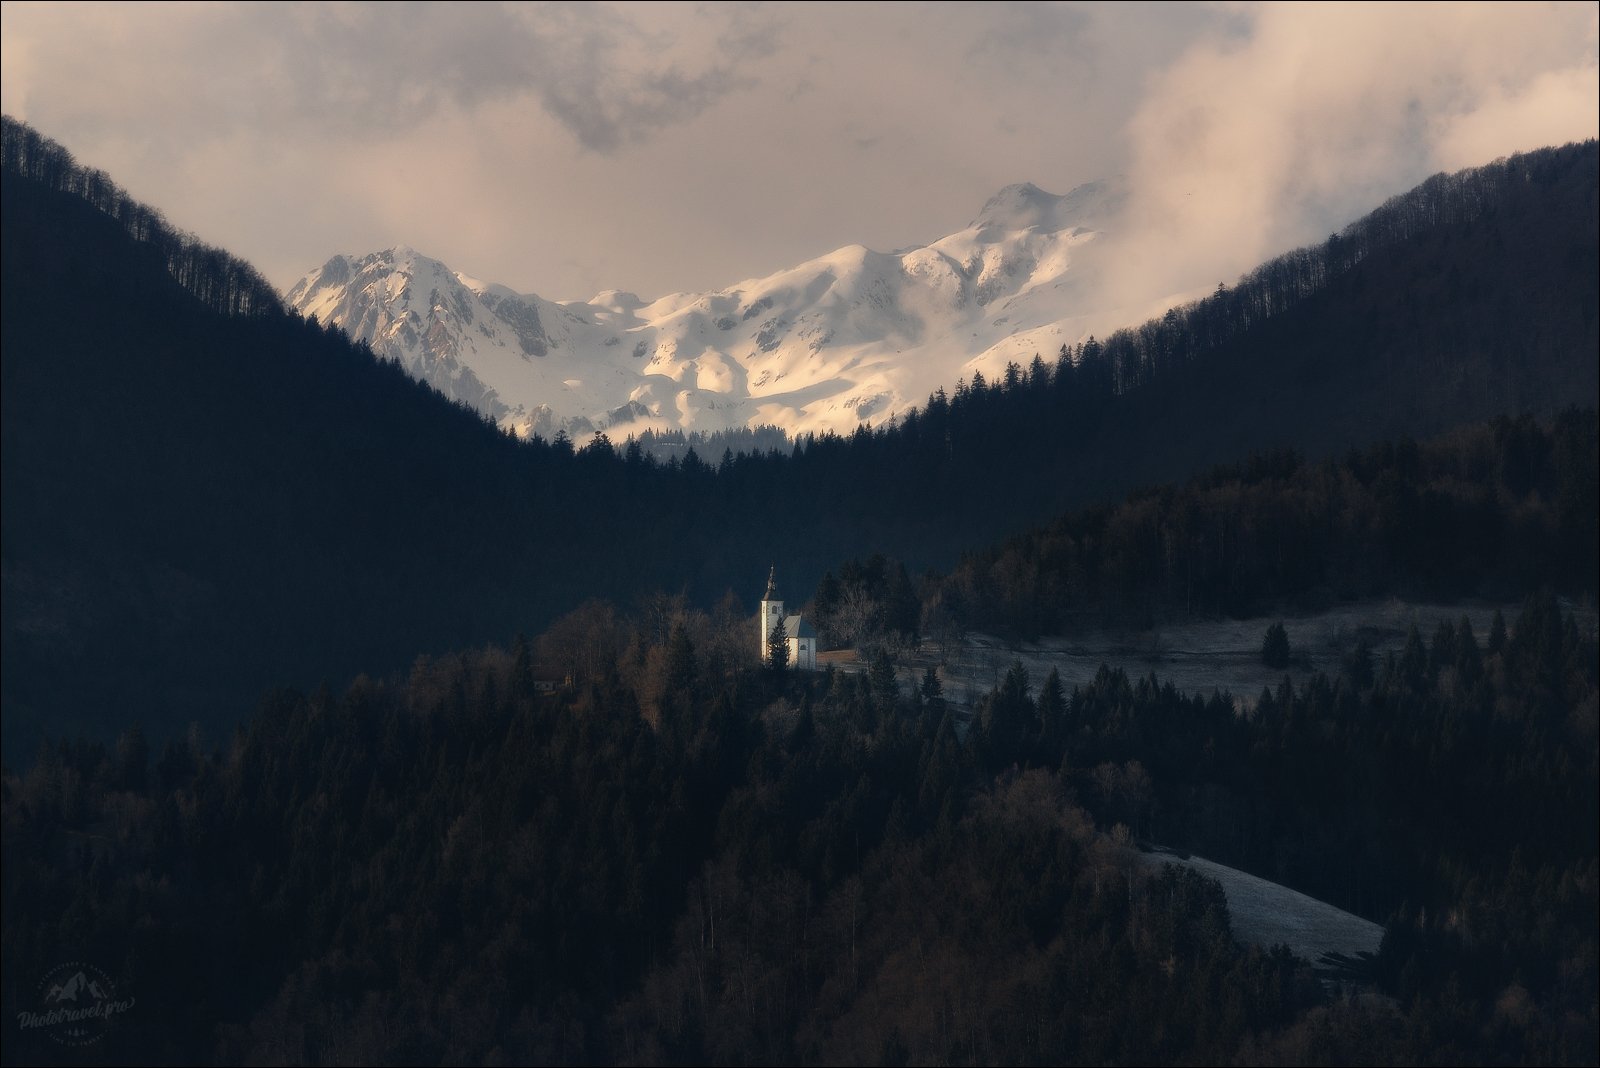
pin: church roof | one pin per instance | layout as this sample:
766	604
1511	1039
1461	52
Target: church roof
797	627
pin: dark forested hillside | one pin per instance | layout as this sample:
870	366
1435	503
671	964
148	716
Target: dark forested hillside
679	861
217	280
1489	510
198	505
205	497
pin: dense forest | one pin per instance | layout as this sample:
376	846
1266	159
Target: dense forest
205	497
681	859
1489	510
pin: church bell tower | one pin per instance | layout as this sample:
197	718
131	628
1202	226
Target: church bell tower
771	611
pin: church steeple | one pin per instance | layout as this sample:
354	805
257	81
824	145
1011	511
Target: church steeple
799	639
771	611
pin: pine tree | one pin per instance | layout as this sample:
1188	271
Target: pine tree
885	690
1052	711
1275	647
1497	634
1006	724
778	648
521	668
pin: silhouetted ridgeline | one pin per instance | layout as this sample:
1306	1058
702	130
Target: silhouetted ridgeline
198	506
222	282
1443	203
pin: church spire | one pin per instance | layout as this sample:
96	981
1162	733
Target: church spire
772	584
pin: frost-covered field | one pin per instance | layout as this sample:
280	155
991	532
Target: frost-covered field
1201	656
1267	914
1225	655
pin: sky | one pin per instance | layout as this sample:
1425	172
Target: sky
566	149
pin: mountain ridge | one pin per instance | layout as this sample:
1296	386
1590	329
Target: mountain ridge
854	335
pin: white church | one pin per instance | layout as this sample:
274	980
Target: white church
801	635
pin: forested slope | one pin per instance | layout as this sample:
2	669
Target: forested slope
679	861
204	497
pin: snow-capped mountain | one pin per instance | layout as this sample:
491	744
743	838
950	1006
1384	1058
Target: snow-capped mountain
852	336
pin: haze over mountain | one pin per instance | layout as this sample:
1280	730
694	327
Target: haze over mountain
852	336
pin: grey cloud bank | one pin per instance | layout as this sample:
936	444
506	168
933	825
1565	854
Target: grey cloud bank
568	148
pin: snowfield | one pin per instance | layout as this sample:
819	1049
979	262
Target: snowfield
855	335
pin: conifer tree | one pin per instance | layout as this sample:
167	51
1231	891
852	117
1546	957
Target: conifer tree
1275	647
778	648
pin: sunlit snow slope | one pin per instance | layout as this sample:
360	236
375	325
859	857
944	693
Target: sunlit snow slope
852	336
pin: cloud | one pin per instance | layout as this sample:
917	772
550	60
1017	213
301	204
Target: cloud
366	71
1551	109
614	80
1047	34
1302	117
606	110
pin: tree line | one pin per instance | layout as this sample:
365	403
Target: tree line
1489	510
220	281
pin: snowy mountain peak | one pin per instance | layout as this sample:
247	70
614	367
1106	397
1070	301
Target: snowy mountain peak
618	301
849	336
1025	206
1017	207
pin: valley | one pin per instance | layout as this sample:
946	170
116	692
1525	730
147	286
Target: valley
360	709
